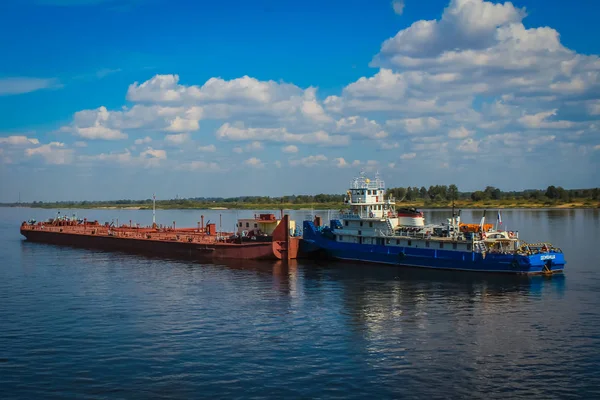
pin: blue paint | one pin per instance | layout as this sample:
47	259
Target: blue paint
426	257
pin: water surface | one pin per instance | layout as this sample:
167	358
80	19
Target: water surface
78	323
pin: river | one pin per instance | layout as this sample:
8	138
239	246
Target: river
79	323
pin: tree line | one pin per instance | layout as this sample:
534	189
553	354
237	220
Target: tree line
433	194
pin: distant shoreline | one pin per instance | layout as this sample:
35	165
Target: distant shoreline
322	206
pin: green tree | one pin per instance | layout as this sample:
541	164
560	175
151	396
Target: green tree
452	192
478	196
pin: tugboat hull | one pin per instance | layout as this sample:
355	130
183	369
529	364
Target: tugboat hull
315	243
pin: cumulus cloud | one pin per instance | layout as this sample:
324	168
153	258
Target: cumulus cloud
340	162
199	166
121	157
469	145
211	148
415	125
309	161
360	126
290	149
540	120
144	140
52	153
254	146
239	132
408	156
19	140
473	82
177	139
254	162
459	133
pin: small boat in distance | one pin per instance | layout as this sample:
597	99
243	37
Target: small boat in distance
373	230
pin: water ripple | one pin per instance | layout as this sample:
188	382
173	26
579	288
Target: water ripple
83	324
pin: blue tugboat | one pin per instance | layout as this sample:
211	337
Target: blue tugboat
373	230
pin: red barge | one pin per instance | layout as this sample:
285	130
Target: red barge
201	243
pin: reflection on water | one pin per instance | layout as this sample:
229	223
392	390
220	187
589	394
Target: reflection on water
87	323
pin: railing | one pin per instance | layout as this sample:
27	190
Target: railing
361	183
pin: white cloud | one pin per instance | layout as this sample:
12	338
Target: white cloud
597	147
123	157
309	161
389	146
340	163
594	107
100	132
94	125
166	88
20	85
152	157
144	140
239	133
199	166
408	156
254	162
459	133
179	124
238	150
254	146
415	125
539	120
52	153
290	149
540	140
80	144
19	140
154	153
177	139
398	6
211	148
360	126
469	146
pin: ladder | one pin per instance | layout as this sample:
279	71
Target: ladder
389	225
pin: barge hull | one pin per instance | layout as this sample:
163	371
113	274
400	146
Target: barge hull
199	251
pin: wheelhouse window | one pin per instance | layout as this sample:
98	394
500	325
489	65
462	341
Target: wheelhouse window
346	223
410	242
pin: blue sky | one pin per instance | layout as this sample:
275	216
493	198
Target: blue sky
106	99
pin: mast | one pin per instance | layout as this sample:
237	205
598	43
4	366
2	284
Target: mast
153	209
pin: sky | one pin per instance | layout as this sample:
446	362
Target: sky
119	99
